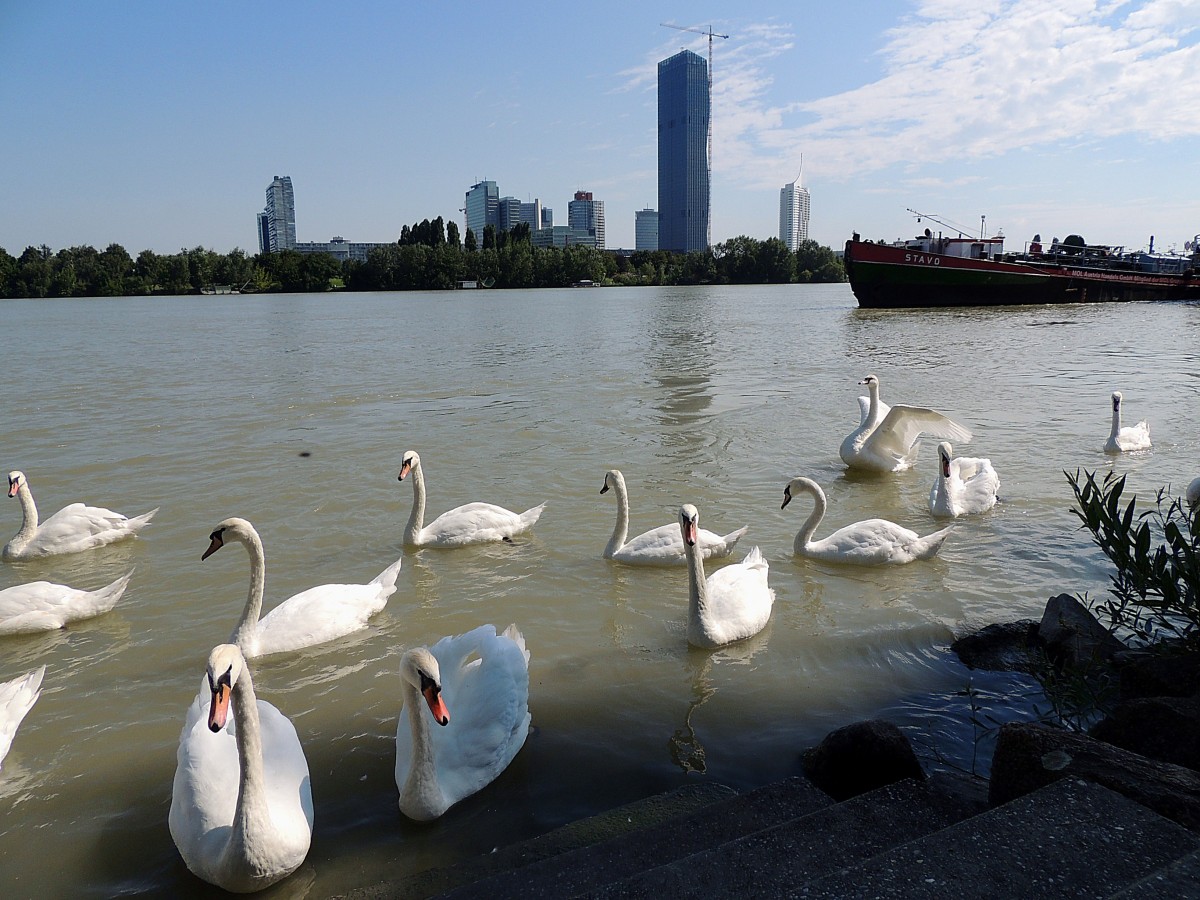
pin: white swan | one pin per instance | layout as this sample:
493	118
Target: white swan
73	528
45	606
964	484
473	523
16	699
662	546
868	543
241	803
731	604
887	438
483	679
1130	438
311	617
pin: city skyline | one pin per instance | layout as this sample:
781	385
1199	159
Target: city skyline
145	125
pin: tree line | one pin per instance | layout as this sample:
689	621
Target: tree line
428	256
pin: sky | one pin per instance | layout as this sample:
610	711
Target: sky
158	125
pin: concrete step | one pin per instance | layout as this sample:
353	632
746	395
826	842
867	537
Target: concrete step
1178	881
588	868
771	862
595	829
1070	839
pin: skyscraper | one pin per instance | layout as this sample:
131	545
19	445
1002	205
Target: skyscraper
587	214
277	224
684	107
793	214
645	223
482	207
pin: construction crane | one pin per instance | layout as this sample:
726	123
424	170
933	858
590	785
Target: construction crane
708	161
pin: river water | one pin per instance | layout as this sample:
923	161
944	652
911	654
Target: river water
293	411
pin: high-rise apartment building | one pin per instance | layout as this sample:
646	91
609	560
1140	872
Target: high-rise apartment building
277	223
482	208
645	234
512	212
793	214
684	107
585	213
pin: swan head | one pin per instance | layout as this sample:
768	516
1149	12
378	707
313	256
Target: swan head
225	666
612	478
945	452
1193	493
800	485
872	382
231	529
16	481
1116	401
420	669
689	524
411	460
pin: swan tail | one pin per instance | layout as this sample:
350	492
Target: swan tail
106	597
734	536
513	633
933	543
387	578
137	523
755	559
530	516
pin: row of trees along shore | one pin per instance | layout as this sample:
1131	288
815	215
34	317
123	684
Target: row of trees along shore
428	256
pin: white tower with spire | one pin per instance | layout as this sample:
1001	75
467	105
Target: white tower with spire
793	212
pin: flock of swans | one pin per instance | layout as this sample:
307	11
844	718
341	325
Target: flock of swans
241	812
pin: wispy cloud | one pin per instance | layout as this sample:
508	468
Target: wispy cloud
963	83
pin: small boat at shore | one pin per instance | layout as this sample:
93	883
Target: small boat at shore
933	270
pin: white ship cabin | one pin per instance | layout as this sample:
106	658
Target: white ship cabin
962	247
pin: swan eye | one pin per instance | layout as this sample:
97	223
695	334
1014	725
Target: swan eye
428	684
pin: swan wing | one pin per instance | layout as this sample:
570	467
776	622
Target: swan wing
44	606
485	684
477	523
739	599
663	546
78	527
323	613
895	436
16	699
978	484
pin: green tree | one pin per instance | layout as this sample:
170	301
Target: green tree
452	236
470	242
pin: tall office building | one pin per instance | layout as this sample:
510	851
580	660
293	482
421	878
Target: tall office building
645	234
585	213
684	107
512	212
482	208
279	227
793	214
264	233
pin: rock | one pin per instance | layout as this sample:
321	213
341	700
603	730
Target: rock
1162	728
1072	636
1162	673
860	758
1031	756
1009	647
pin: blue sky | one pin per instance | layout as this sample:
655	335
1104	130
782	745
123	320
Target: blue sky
158	125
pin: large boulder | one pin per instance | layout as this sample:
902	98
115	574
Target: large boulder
1031	756
860	758
1162	728
1072	636
1170	671
1008	647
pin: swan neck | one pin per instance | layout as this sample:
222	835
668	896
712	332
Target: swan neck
421	786
245	635
252	816
697	586
804	535
416	518
29	515
621	528
1116	421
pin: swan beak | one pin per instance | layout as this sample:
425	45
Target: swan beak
218	710
787	496
603	490
945	467
689	533
13	487
437	706
215	545
405	468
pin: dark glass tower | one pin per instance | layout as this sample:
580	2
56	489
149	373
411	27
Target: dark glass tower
683	112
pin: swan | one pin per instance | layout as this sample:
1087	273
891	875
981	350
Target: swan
241	802
473	523
311	617
483	677
73	528
731	604
45	606
16	699
868	543
964	485
662	546
1193	494
1124	440
887	438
